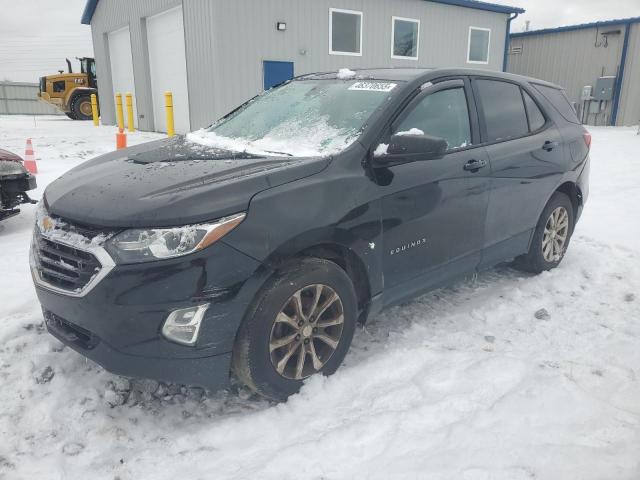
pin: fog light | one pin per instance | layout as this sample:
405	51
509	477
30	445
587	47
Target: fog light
183	325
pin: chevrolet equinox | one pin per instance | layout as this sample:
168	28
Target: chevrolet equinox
254	246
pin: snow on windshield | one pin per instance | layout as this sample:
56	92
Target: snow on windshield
301	118
289	139
345	74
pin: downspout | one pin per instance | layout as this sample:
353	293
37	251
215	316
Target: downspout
506	41
623	61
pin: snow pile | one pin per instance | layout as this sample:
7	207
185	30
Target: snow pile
507	376
345	74
381	150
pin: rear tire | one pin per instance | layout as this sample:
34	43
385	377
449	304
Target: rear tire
70	115
81	107
300	323
551	237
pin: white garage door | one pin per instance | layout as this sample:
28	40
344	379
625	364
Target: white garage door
168	68
122	68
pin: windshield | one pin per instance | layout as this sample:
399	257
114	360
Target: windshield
301	118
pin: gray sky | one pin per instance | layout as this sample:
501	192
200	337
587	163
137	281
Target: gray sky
37	35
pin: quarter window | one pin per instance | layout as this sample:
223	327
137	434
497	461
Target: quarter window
504	113
535	116
441	114
478	49
559	101
405	38
345	32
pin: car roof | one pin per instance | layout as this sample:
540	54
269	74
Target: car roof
410	74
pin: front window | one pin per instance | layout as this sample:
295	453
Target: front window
441	114
301	118
404	38
345	32
478	51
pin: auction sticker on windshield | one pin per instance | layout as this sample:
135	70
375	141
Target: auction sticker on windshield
373	86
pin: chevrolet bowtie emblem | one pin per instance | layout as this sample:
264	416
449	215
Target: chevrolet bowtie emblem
47	224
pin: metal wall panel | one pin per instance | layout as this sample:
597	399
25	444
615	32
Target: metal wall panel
18	98
112	15
629	106
226	42
570	59
246	35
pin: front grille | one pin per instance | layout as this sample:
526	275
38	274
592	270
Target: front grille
63	266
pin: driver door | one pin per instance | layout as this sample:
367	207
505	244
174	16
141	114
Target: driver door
433	211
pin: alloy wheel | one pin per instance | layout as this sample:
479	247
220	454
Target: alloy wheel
556	232
306	331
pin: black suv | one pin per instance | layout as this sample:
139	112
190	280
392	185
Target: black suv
256	245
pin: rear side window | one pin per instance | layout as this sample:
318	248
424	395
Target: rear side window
536	118
441	114
503	107
559	101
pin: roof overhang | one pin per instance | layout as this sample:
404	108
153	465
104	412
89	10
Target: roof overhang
90	7
489	7
569	28
87	14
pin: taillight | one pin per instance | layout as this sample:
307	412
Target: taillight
587	139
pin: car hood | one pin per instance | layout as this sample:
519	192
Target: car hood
169	182
9	156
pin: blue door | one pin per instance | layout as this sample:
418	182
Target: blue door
276	72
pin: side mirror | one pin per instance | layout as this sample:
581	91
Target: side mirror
406	148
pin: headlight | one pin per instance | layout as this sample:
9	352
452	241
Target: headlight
146	244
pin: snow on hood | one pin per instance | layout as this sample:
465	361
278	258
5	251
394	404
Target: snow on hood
58	230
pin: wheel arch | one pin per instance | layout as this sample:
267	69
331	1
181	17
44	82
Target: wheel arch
351	263
76	92
571	190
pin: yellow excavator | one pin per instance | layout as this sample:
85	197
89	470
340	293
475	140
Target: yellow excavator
71	92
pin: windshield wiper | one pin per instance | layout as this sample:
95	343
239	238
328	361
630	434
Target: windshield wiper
279	153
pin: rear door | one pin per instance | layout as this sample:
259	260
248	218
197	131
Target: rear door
433	211
526	153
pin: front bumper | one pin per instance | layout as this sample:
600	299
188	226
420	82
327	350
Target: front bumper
208	372
118	322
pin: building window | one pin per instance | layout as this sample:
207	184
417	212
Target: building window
405	34
478	51
345	32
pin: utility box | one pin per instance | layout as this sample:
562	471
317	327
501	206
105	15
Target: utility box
604	88
586	93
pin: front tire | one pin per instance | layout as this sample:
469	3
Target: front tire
301	323
81	107
551	236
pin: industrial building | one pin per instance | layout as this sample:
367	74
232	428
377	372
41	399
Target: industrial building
597	63
215	55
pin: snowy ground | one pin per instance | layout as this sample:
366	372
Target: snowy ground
464	383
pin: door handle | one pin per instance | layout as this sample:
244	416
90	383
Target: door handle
474	165
549	145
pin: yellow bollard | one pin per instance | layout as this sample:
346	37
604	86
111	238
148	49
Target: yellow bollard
94	109
119	113
168	102
129	100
